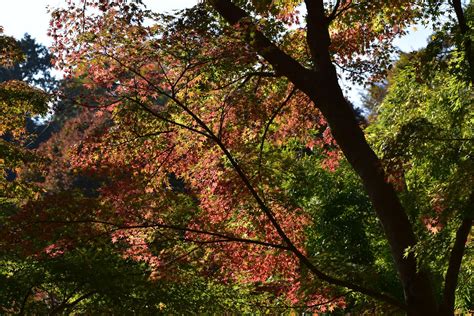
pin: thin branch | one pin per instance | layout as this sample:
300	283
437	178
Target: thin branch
64	307
330	300
25	299
175	259
157	115
284	307
247	77
172	227
93	107
445	139
147	135
171	96
78	300
267	126
351	71
333	13
270	121
349	5
168	153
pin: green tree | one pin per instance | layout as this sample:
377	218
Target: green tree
34	66
18	101
424	134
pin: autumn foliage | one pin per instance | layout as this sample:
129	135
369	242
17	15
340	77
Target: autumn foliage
214	151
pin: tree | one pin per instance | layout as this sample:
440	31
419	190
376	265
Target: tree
174	97
93	276
18	100
34	67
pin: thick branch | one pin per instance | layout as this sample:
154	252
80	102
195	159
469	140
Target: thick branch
455	260
281	62
465	31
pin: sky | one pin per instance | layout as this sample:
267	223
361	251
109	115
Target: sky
30	16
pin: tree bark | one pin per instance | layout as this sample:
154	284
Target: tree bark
454	266
465	32
322	86
419	295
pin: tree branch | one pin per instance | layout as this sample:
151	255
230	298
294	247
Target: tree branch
172	227
281	62
333	13
267	126
66	305
464	28
305	307
24	301
455	260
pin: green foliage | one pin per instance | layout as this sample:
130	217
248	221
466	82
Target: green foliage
345	236
18	101
10	51
424	132
97	280
426	128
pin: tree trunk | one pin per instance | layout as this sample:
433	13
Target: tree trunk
419	295
322	86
